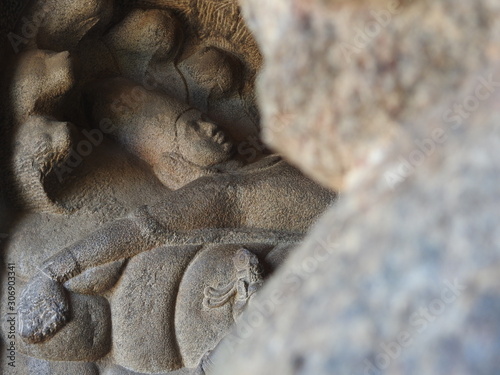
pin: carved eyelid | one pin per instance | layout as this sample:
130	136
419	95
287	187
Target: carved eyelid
194	124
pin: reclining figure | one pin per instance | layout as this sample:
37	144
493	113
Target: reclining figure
218	201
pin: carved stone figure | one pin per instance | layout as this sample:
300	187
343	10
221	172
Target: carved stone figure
143	232
40	79
179	142
269	202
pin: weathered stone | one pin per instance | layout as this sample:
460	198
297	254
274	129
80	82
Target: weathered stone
358	75
141	197
144	210
61	25
85	338
144	37
400	277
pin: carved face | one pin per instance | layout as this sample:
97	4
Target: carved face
177	141
200	141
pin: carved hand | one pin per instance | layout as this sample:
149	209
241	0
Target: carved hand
43	309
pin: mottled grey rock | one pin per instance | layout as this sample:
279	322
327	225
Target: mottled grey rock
97	280
401	276
143	311
116	370
39	367
357	75
415	293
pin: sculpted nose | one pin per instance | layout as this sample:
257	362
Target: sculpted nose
60	57
63	55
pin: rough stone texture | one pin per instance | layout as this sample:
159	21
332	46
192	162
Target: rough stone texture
63	24
147	342
401	277
358	74
144	36
56	368
165	234
144	211
89	321
202	328
377	299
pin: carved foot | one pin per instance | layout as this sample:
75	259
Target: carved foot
43	309
247	281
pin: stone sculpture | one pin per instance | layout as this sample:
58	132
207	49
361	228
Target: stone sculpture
176	140
123	148
40	80
269	197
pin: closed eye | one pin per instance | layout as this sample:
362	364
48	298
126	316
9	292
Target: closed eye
194	124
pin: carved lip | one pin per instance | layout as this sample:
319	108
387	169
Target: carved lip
220	137
214	132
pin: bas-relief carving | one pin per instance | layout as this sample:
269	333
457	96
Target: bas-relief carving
143	253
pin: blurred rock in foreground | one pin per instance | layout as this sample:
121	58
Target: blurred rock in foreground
397	105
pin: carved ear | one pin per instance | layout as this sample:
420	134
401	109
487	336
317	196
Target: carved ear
174	171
